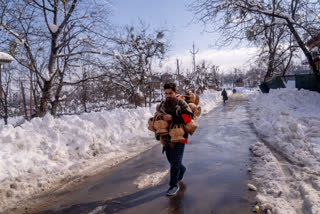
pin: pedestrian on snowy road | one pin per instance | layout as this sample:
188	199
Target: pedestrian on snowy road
176	111
224	95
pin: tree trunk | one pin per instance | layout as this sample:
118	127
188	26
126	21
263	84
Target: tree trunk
84	97
85	106
5	107
150	95
45	99
287	66
270	67
35	101
31	112
304	49
46	91
54	106
145	100
24	101
55	103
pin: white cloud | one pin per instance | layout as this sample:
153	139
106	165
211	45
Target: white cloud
227	59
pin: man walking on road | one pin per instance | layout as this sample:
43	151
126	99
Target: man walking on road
176	111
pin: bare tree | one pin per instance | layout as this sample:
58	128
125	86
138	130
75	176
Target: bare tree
235	18
52	37
135	52
254	75
213	77
276	45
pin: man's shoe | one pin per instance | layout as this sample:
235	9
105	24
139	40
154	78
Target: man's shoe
173	190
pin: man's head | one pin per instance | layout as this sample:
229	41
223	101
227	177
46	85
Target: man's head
170	91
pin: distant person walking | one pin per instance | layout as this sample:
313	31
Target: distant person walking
224	95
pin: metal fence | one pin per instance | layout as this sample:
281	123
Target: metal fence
302	81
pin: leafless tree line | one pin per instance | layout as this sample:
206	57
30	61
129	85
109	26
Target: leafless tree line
279	28
67	53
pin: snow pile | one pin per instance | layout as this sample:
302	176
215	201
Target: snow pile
288	169
273	193
147	180
248	92
14	121
209	100
46	152
289	120
47	149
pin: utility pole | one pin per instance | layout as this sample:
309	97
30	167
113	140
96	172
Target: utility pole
178	71
193	53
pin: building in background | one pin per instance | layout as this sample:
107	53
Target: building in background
155	81
166	77
314	47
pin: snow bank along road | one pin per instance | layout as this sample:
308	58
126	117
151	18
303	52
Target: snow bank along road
286	165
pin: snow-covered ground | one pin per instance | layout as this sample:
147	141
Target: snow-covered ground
46	152
14	121
286	165
147	180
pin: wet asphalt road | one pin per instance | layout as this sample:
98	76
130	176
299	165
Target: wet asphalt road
216	157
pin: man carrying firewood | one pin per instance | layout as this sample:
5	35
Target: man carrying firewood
174	111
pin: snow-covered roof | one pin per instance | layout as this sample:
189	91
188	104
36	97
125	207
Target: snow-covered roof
166	74
5	58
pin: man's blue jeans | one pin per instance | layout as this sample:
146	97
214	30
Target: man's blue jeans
174	156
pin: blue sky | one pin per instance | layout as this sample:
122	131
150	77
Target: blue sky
174	16
170	14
